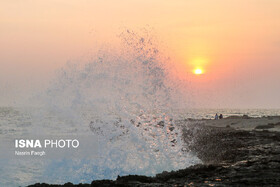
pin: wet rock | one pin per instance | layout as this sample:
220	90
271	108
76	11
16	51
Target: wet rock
268	126
135	179
171	128
161	124
233	117
102	183
245	117
277	124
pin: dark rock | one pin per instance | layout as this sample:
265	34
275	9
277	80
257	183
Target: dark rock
134	178
161	124
103	183
68	184
277	124
268	126
245	117
171	128
234	117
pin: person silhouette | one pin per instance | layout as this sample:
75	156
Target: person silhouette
221	116
216	116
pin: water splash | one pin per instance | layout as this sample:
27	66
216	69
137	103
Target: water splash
125	97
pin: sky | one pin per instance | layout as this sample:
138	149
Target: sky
236	43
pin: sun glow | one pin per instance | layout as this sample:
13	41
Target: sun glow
198	71
199	64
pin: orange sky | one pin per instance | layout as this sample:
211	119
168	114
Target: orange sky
237	43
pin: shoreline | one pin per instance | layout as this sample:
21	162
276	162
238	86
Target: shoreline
235	151
245	122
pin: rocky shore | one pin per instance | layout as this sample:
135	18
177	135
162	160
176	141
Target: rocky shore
233	155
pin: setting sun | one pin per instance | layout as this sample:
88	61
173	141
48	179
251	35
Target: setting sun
198	71
198	65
